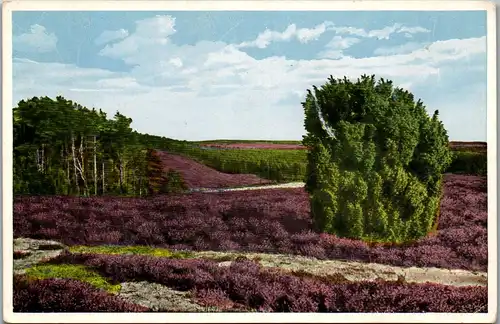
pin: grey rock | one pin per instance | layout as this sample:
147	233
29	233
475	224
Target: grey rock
352	270
225	264
28	252
159	298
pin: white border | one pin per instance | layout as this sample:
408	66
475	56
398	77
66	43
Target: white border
75	5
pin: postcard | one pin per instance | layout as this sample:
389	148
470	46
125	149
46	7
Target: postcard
239	161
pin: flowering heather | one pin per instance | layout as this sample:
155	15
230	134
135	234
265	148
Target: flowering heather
65	295
459	146
272	221
246	284
469	146
197	175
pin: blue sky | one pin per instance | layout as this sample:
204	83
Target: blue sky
243	75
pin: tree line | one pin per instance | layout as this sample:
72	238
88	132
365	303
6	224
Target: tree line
61	147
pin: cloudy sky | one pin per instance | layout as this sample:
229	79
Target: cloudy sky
243	75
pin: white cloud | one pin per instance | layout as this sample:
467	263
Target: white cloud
155	60
122	83
36	40
413	30
303	35
151	32
177	62
215	90
334	49
400	49
110	35
383	33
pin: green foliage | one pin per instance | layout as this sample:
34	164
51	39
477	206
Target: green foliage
160	182
71	271
154	173
174	183
135	250
375	162
61	147
469	163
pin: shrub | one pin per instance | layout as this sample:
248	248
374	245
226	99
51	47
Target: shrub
469	163
174	183
154	172
160	182
375	160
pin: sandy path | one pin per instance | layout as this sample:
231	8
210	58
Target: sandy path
275	186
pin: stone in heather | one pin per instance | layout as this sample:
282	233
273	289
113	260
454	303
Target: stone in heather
159	298
29	252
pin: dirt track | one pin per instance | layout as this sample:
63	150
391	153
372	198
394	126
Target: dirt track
275	186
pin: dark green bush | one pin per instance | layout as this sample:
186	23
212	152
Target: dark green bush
160	182
375	161
468	163
174	183
154	172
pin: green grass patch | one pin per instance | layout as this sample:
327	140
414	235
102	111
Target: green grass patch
70	271
136	250
85	274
